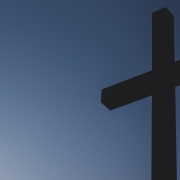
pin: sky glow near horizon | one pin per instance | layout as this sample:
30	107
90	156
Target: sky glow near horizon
56	56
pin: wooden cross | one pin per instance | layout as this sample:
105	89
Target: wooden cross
160	83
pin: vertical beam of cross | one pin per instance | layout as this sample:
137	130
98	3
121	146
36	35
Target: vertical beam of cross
160	83
163	98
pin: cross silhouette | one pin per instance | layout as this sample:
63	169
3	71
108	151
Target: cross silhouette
160	83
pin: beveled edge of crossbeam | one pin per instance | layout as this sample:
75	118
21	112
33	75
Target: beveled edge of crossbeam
127	91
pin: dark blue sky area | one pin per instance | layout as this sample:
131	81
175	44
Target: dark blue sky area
55	57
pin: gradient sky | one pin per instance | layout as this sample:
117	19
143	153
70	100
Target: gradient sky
55	57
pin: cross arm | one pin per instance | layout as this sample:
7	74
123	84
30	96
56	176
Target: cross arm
127	91
176	73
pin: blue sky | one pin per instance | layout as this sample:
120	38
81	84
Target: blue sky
55	57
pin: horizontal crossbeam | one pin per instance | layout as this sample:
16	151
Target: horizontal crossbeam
127	91
135	89
176	73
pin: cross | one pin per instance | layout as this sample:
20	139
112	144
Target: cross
159	83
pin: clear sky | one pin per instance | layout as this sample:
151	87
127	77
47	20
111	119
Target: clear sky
55	57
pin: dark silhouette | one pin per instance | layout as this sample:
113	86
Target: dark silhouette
160	83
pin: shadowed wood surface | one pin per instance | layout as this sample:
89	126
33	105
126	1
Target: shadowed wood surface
160	83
